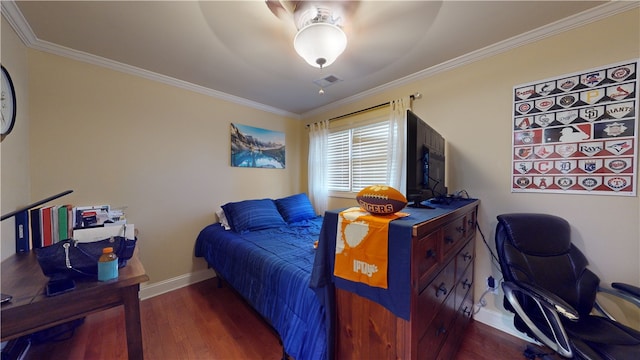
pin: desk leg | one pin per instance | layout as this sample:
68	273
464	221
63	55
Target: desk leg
132	322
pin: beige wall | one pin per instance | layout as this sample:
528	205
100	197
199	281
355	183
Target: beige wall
14	150
162	151
471	106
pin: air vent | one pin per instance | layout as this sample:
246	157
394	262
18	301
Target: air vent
327	81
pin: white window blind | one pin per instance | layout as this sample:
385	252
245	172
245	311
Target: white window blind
338	161
357	157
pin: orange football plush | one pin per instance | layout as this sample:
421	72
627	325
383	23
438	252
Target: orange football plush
381	200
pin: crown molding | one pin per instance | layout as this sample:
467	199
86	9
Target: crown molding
12	14
597	13
17	21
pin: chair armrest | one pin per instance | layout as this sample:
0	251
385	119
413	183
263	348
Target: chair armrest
550	305
550	300
628	289
623	291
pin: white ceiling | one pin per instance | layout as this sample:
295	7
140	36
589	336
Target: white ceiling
240	51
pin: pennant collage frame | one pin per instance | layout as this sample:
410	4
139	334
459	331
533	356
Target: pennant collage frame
577	133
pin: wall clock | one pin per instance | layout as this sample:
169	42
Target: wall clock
8	104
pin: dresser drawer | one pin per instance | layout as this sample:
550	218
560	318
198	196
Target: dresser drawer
454	233
437	331
456	332
466	308
433	296
464	258
470	221
426	258
463	286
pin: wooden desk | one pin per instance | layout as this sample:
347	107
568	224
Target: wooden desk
31	310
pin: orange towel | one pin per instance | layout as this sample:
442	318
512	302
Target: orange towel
362	249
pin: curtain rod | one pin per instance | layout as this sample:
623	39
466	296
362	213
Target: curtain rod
412	97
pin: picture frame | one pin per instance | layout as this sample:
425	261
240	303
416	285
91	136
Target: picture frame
255	147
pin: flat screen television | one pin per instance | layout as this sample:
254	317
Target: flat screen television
425	161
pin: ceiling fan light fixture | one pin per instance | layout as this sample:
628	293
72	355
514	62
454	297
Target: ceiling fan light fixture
320	43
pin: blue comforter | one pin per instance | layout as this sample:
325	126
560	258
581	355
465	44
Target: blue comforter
271	269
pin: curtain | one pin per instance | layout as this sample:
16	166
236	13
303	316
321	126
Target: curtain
396	160
318	143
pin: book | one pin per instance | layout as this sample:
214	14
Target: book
54	224
70	221
22	231
90	216
36	227
47	228
63	222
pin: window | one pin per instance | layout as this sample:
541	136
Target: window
357	157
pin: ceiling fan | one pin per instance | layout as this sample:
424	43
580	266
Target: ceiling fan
304	11
320	38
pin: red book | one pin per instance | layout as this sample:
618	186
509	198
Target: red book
47	226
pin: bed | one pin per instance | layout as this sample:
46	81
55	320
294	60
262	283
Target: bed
264	249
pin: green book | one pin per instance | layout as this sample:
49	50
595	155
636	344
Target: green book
63	222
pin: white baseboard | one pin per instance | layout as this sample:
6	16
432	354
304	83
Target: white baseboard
154	289
500	321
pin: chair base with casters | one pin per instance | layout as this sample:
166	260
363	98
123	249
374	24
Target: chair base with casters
553	294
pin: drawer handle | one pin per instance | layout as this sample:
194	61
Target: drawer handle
466	284
466	311
441	289
470	222
460	229
441	330
466	256
430	253
448	240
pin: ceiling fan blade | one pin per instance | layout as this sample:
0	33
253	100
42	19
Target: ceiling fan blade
282	8
288	8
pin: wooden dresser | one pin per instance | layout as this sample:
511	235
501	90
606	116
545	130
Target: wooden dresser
442	255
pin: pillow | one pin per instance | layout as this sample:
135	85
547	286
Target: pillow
381	200
222	219
250	215
295	208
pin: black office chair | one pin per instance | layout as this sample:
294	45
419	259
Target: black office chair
553	294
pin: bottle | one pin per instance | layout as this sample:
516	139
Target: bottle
107	265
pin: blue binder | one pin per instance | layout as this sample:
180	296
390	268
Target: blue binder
22	231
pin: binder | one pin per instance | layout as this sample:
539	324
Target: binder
36	228
22	231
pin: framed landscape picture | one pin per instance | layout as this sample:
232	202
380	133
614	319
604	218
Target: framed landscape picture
257	148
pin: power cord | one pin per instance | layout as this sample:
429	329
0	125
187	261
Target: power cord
495	262
459	194
482	302
494	258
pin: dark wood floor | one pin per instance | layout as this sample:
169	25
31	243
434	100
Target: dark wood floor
202	321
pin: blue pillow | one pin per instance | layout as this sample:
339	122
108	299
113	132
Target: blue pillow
250	215
295	208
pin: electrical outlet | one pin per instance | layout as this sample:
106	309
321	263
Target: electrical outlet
492	285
